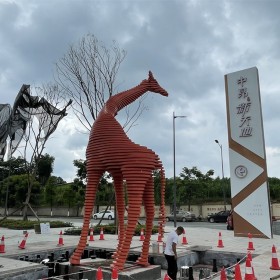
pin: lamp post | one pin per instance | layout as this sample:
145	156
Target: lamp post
223	184
174	170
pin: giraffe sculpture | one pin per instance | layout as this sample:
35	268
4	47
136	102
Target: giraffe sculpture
109	149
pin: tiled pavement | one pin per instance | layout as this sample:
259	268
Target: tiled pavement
195	237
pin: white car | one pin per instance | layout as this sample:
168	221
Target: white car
108	215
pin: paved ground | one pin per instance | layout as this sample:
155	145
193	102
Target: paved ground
195	237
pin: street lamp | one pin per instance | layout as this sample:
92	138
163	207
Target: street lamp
174	172
223	184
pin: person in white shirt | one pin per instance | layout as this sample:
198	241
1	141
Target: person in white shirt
170	252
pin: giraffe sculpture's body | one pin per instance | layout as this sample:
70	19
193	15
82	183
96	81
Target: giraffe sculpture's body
109	149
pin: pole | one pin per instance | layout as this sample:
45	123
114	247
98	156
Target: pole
223	177
174	174
174	170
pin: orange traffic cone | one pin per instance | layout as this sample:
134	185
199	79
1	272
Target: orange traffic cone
23	242
248	270
91	238
249	256
142	236
237	272
274	260
223	274
60	239
220	242
99	274
2	245
159	239
166	277
101	234
184	239
114	274
250	243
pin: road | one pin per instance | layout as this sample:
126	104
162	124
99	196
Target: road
78	222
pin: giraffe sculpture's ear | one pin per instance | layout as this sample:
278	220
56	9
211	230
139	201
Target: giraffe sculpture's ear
151	77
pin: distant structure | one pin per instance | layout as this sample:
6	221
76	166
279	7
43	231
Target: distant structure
109	149
14	120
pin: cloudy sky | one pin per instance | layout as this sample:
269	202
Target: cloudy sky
189	45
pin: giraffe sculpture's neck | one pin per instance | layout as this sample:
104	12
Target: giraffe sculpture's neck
122	99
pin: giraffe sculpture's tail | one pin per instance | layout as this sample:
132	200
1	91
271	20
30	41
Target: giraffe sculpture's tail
162	204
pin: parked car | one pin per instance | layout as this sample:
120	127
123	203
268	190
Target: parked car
108	215
230	221
220	217
183	216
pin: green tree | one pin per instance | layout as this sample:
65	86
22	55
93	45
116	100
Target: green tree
18	187
50	189
81	166
274	187
44	168
194	185
13	166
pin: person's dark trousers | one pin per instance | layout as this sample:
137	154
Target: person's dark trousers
172	267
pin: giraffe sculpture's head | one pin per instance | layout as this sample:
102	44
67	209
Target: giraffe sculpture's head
154	86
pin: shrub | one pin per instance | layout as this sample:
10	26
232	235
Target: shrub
107	229
20	224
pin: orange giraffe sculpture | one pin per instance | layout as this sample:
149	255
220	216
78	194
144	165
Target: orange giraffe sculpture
109	149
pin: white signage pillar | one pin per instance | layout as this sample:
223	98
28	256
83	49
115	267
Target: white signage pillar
248	172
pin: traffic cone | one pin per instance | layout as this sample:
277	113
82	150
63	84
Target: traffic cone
114	274
184	239
142	236
250	243
2	245
99	274
248	270
60	239
23	242
249	256
274	260
223	274
166	277
220	242
159	239
91	238
101	234
237	272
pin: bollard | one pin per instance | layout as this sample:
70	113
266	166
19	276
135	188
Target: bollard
51	272
67	255
66	271
214	269
191	273
81	274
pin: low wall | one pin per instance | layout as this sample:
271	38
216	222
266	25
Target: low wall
198	210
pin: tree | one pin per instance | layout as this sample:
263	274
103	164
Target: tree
44	168
13	166
81	166
274	186
87	74
194	184
37	131
18	187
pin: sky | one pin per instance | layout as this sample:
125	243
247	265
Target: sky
189	45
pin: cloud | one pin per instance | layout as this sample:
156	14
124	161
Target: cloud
189	46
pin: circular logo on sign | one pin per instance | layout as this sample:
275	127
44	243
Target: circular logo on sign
241	171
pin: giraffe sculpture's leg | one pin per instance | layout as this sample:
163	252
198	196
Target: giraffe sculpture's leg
120	202
135	189
148	199
162	220
92	183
